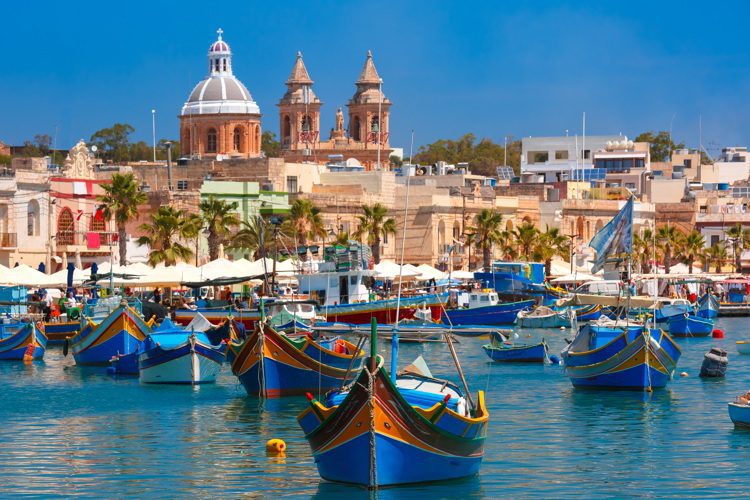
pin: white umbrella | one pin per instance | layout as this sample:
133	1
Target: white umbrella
27	276
391	270
462	275
427	272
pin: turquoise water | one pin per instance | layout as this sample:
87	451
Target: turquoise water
72	431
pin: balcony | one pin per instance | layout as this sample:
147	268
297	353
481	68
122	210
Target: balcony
8	240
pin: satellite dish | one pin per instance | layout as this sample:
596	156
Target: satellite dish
94	148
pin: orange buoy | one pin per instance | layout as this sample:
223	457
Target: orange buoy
275	446
717	333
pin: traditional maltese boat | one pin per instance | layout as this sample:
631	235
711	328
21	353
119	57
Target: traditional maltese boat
23	341
121	333
272	364
501	349
387	431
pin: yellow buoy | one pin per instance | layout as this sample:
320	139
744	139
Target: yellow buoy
275	446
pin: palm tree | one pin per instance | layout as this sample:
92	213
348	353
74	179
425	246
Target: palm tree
252	237
551	243
218	219
691	248
716	253
740	239
375	226
526	236
342	238
305	222
168	226
668	239
643	249
120	200
485	233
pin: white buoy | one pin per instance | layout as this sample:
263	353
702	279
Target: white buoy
683	374
515	335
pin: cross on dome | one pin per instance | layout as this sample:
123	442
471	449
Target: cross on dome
219	32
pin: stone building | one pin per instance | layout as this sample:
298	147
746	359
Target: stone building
367	136
220	118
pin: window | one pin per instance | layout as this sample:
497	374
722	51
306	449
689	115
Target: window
561	155
385	238
65	227
211	141
286	129
715	238
639	163
687	163
352	280
182	185
355	131
306	123
586	154
630	185
237	139
291	184
538	156
484	298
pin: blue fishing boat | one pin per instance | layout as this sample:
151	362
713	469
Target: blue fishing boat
121	333
708	306
173	355
58	331
628	357
689	325
22	341
670	308
484	308
590	312
501	349
272	364
385	432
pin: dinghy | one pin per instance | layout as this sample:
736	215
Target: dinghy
689	325
502	350
544	317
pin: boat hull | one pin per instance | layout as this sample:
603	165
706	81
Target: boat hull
551	321
522	354
57	332
26	343
500	314
377	439
189	363
740	414
632	360
269	365
688	325
121	333
384	311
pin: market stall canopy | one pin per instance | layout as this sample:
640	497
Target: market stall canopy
391	270
27	276
462	275
61	277
427	272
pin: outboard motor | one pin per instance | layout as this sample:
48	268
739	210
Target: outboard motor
715	363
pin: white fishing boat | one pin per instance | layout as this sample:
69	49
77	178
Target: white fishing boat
544	317
172	355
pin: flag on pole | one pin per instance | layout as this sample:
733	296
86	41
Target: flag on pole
615	237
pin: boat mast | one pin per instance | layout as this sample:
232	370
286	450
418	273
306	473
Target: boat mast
394	335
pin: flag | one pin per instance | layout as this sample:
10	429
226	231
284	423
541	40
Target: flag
615	237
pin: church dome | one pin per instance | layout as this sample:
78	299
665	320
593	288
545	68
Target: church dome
220	92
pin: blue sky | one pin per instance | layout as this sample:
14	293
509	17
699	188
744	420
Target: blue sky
491	68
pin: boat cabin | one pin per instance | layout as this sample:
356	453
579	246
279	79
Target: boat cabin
482	298
509	277
334	288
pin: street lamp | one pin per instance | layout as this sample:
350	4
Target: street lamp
153	131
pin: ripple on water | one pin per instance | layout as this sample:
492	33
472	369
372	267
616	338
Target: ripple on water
70	431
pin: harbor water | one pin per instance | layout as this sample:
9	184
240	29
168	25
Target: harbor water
73	431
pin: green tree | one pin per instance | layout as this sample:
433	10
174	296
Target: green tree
661	144
269	145
643	250
304	222
716	254
691	248
396	162
486	232
113	143
168	227
375	225
342	238
526	236
740	239
219	217
252	237
483	157
668	239
6	159
120	201
551	243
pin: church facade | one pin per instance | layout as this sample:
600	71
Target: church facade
366	138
